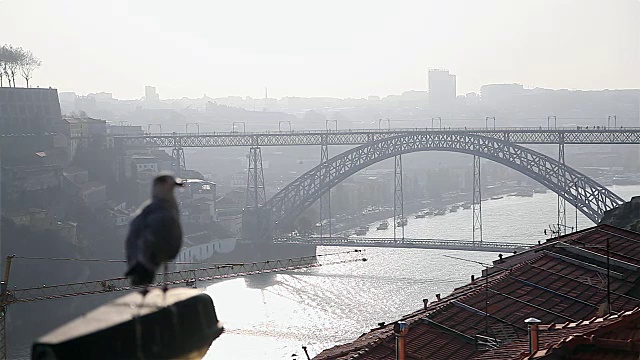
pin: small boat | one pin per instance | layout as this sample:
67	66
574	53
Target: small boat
497	197
466	206
402	222
440	212
453	209
364	227
361	232
421	215
429	213
383	225
524	193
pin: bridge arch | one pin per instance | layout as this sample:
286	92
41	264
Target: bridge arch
591	198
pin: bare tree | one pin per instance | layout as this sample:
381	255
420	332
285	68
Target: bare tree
27	63
14	62
5	58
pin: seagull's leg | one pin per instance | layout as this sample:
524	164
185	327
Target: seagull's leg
165	287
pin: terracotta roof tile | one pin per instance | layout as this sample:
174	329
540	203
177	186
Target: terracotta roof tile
549	283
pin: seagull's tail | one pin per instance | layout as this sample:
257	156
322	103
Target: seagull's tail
140	275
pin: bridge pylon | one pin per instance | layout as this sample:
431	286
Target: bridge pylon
398	199
177	153
562	179
180	162
325	200
477	201
253	218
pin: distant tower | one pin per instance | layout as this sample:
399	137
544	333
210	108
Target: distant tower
150	94
266	94
442	88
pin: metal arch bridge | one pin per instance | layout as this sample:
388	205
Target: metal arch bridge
591	198
523	135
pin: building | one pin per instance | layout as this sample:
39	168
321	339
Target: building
442	88
20	180
94	194
203	251
76	174
150	94
562	281
28	111
115	130
40	219
198	202
79	132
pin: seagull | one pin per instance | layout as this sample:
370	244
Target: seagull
155	234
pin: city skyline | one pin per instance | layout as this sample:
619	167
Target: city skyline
333	49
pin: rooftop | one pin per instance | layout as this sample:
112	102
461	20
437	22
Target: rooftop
560	281
87	120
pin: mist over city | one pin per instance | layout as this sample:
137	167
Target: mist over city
326	180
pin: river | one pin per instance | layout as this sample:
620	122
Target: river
272	316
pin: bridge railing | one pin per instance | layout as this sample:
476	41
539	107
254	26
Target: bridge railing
392	130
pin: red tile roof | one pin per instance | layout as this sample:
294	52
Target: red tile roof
560	281
614	336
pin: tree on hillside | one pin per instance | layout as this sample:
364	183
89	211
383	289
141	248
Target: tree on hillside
16	60
28	63
6	58
13	63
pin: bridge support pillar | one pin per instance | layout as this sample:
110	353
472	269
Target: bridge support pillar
252	216
180	163
562	179
477	201
325	200
398	200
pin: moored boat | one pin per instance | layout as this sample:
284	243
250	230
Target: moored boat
383	225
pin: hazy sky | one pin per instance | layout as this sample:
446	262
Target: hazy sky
337	48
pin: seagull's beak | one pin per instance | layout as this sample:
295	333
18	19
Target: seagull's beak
179	182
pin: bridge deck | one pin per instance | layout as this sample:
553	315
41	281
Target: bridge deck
522	135
442	244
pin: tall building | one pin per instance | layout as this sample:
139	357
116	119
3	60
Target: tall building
442	88
150	94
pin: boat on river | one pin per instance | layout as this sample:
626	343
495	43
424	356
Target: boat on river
402	222
383	225
440	212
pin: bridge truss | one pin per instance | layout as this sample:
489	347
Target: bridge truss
359	137
591	198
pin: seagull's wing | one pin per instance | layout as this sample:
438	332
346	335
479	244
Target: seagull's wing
134	244
163	236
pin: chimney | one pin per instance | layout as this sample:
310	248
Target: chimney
473	278
381	324
533	334
425	302
401	329
438	297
